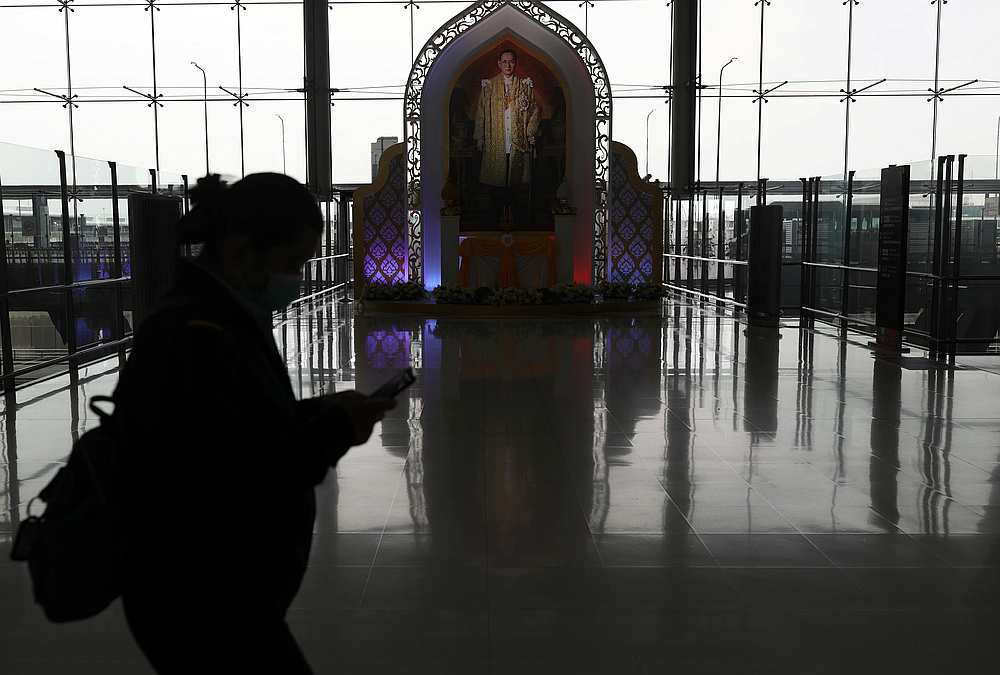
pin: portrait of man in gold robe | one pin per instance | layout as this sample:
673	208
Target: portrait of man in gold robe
506	128
506	141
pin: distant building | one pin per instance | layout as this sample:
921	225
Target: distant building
378	147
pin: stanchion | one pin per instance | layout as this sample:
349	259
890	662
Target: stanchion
764	287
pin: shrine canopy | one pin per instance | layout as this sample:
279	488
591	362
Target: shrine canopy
563	205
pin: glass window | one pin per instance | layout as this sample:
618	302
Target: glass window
968	124
263	140
630	128
730	28
802	135
182	136
369	46
37	46
205	34
738	156
272	47
806	41
39	123
967	121
968	41
352	150
910	55
110	48
120	131
647	24
889	130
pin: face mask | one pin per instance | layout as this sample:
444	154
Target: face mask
281	289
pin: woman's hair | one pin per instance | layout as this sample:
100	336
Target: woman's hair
270	209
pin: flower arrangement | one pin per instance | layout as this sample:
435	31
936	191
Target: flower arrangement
483	295
567	294
560	294
395	291
452	294
614	290
516	296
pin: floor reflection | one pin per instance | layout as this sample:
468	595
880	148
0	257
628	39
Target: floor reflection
562	417
635	494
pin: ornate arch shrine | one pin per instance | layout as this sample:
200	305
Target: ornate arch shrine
508	175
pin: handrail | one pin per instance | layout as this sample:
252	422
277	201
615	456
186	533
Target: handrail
89	283
838	315
717	298
75	356
320	292
952	277
703	259
328	257
836	266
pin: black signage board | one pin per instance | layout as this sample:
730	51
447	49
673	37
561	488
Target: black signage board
894	226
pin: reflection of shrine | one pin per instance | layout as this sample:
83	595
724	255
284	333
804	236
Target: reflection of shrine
515	475
566	205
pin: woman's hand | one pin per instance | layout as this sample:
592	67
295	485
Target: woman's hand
363	411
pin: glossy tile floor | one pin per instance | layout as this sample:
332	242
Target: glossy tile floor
657	494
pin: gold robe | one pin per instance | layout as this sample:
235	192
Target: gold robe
489	133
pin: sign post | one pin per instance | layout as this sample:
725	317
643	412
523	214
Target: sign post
894	227
764	290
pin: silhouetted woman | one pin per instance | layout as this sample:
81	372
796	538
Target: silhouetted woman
222	460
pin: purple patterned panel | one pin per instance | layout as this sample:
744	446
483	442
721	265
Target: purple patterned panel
388	349
631	227
384	229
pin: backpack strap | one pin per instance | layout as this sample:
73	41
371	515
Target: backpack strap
94	400
84	449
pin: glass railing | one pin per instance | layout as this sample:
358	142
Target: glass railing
952	258
831	248
66	261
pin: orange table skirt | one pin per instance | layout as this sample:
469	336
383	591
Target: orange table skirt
506	248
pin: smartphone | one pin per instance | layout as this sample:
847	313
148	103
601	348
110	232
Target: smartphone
397	384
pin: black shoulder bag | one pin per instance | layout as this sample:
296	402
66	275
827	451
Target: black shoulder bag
74	549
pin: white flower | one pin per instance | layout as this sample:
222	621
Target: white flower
528	82
485	83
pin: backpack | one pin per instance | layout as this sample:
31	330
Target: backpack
74	549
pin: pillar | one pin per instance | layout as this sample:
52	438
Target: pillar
684	80
319	158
